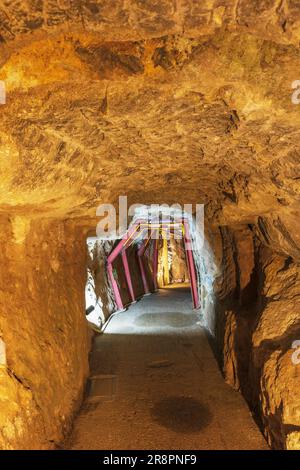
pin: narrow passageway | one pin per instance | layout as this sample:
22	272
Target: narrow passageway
155	384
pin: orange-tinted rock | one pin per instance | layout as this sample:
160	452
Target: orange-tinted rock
255	333
175	102
42	323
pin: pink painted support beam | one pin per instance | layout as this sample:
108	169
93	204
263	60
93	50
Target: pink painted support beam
121	244
191	265
115	252
127	274
115	287
143	247
155	263
127	240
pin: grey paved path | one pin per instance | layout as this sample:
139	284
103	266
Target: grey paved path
156	385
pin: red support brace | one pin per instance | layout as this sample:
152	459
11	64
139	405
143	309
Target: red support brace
191	265
127	274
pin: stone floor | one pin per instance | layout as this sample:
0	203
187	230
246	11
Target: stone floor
155	384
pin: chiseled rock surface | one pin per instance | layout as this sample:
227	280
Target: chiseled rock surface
257	323
208	119
175	102
42	324
280	400
135	19
278	326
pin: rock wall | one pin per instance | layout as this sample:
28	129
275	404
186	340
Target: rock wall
99	293
178	270
256	322
43	327
98	282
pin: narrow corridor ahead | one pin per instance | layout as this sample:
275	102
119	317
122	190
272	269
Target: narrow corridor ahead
155	384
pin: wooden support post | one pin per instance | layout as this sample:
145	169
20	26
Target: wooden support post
115	287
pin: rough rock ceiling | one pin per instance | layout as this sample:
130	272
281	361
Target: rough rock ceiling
140	19
165	101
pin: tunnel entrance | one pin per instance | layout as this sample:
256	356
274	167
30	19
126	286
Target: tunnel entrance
149	238
157	250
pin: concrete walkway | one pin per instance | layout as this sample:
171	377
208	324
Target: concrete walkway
155	384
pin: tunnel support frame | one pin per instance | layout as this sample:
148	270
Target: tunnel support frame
191	265
127	274
128	239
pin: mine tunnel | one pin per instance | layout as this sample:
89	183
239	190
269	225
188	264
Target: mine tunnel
188	339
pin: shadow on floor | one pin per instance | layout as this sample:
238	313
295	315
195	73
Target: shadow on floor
181	414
